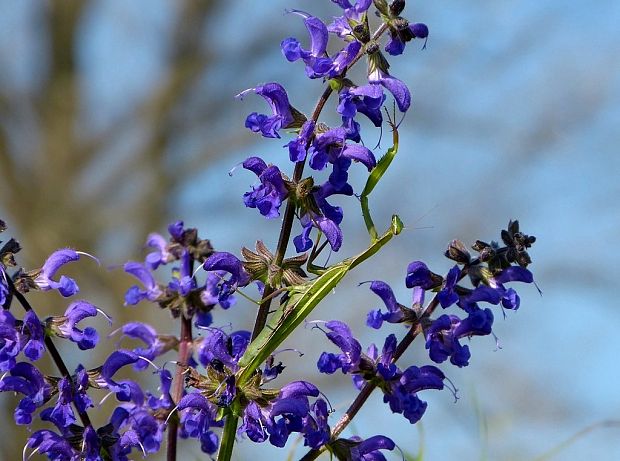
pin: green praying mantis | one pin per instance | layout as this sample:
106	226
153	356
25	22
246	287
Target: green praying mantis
302	299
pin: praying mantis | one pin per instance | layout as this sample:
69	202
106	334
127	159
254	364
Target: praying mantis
302	299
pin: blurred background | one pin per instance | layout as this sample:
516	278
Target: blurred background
118	117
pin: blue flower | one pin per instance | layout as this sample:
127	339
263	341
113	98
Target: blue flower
297	148
289	412
419	275
447	296
318	63
32	332
126	390
65	326
342	337
197	418
369	449
73	444
161	255
272	191
61	414
227	262
210	296
509	297
183	281
399	388
66	286
155	344
355	10
398	37
316	429
395	311
366	99
282	112
330	146
152	291
10	344
442	337
398	89
224	348
51	444
26	379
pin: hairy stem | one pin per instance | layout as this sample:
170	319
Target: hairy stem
185	348
185	351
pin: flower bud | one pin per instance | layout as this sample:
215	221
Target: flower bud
397	7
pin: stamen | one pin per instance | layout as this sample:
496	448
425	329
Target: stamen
90	256
102	312
148	361
170	414
105	397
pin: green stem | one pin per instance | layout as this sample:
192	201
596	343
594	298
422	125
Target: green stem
228	437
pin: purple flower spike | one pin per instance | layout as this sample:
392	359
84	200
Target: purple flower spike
66	286
282	112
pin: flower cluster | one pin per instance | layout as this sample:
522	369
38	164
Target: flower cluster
324	147
488	273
